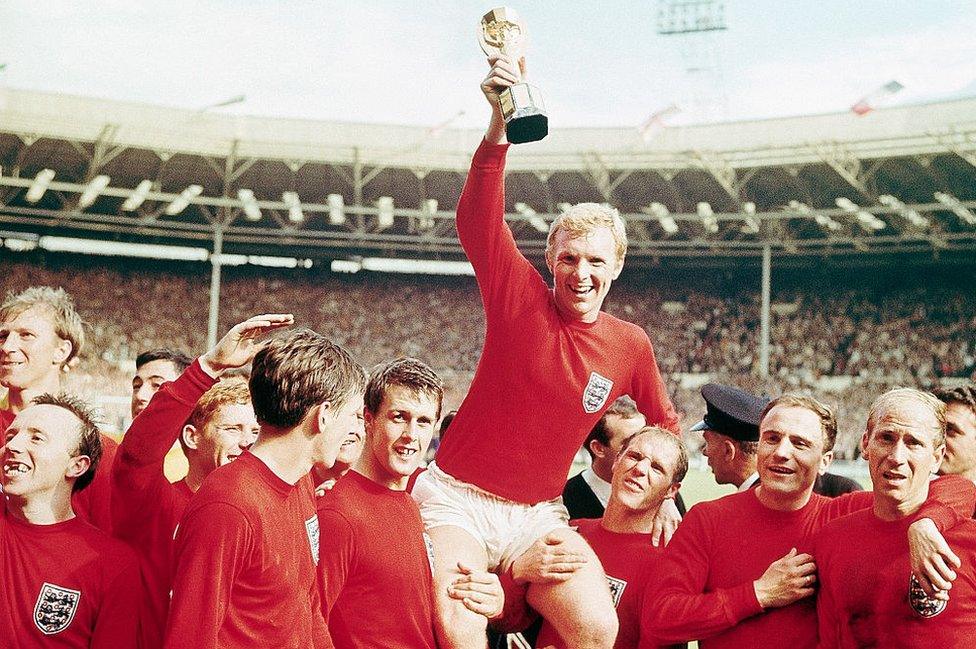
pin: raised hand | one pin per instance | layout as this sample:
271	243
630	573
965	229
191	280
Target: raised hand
239	345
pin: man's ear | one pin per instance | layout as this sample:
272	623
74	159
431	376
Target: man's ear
673	490
939	453
825	461
598	449
191	437
730	448
620	268
63	351
77	467
864	444
323	416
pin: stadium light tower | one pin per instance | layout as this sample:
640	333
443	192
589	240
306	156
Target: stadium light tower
182	201
957	207
94	188
138	196
912	216
337	213
384	213
709	222
866	220
41	182
751	223
661	212
295	214
251	210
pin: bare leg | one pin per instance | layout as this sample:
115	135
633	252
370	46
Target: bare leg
456	626
579	609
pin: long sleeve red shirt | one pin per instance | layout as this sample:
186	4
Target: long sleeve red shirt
374	567
865	596
146	507
246	550
542	382
66	585
703	590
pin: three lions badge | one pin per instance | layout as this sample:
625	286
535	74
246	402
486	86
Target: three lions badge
596	393
55	608
922	604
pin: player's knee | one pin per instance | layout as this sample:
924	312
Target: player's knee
596	629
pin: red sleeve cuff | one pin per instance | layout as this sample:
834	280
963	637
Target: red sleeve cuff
196	382
490	156
741	602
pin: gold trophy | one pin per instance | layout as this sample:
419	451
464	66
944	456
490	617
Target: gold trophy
502	32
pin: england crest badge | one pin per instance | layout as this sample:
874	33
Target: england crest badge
55	608
312	529
922	604
596	393
617	587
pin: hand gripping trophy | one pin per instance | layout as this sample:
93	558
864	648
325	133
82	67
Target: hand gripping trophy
502	32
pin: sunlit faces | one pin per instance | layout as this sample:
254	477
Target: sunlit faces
791	450
229	432
716	451
336	422
960	454
147	381
582	269
39	452
30	349
643	475
901	453
398	434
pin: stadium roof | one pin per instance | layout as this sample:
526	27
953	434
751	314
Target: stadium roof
897	180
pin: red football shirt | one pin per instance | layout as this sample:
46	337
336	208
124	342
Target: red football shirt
246	554
625	558
66	585
866	599
542	382
374	567
146	507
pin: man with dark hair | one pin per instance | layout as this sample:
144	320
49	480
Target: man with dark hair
868	596
214	421
495	486
648	470
736	574
154	368
366	562
41	334
586	495
730	428
63	583
248	543
960	442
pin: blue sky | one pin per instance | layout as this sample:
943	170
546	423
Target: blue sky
598	63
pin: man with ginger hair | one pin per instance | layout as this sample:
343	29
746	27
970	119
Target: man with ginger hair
248	543
41	334
214	422
495	486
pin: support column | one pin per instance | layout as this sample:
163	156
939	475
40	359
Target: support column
215	262
764	314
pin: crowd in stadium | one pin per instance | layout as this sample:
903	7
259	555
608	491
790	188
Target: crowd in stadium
307	517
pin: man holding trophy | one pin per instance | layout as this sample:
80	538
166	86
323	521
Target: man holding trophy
552	362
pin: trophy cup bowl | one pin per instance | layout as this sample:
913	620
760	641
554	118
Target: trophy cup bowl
503	32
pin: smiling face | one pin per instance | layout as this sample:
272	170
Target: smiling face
643	475
903	448
31	352
583	268
398	434
791	453
336	423
229	432
39	456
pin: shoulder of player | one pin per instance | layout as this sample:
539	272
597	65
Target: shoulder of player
113	555
835	535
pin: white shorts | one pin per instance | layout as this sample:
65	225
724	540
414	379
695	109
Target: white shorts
504	528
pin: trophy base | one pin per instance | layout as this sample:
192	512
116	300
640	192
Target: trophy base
525	113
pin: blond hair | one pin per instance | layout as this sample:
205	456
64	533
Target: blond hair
900	398
582	219
68	325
